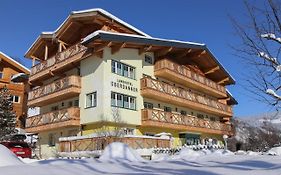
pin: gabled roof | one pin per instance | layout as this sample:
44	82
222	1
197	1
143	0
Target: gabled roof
84	14
14	63
121	37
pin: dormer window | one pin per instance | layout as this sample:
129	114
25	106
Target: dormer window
1	75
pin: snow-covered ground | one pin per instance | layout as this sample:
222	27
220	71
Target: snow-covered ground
120	159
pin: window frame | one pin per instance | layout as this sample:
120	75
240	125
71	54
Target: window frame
93	100
131	70
114	96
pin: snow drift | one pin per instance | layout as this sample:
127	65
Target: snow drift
8	158
275	151
118	151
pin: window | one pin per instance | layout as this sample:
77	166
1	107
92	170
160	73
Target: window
70	104
122	69
76	103
213	118
1	75
54	108
148	105
52	139
183	112
91	100
201	116
15	99
128	131
148	59
167	109
123	101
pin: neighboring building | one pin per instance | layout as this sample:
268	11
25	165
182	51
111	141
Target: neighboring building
96	70
8	68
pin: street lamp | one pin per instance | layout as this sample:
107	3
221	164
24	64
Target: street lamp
225	137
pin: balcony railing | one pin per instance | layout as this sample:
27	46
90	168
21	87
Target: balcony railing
58	58
179	121
163	91
52	120
71	83
187	74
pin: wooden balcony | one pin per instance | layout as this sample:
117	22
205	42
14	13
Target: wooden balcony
61	61
183	75
99	143
69	117
157	90
157	118
64	88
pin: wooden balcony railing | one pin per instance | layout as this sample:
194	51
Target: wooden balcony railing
99	143
164	92
187	77
45	66
153	117
53	120
68	86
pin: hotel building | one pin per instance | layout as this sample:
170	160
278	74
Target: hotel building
97	71
8	68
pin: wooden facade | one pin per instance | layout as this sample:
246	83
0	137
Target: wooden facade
8	68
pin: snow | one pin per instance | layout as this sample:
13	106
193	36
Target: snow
112	17
8	158
118	151
276	151
273	93
92	35
271	36
118	158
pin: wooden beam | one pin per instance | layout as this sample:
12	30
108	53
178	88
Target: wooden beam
102	46
183	53
223	80
163	52
34	59
212	70
46	52
51	73
145	49
197	53
117	47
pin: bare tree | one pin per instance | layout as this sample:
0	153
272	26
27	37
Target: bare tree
260	48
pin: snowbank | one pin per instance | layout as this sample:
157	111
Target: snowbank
8	158
275	151
118	151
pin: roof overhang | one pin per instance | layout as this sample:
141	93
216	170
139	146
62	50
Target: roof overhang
176	45
14	63
80	15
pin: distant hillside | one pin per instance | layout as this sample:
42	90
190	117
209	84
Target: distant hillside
257	132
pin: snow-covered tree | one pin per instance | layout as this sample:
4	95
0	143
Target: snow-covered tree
7	116
261	46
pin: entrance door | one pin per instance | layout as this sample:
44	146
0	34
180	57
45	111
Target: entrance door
189	138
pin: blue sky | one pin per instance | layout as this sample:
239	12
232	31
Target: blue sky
193	20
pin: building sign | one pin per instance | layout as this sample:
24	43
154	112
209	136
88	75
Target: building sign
122	84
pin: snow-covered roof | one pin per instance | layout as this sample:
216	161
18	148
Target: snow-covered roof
123	37
99	32
103	12
15	62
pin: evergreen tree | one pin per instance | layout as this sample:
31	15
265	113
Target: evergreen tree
7	115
